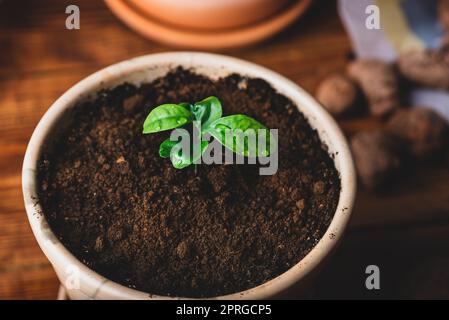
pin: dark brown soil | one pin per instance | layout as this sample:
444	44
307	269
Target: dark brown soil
132	217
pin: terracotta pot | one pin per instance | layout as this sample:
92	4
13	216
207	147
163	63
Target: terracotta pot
145	69
211	39
207	14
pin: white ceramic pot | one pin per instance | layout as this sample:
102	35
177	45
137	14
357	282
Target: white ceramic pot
144	69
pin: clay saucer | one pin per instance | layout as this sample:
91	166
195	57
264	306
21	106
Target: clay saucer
215	40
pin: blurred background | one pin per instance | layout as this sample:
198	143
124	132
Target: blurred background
403	229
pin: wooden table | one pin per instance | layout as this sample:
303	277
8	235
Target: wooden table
405	231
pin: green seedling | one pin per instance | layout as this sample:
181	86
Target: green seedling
206	115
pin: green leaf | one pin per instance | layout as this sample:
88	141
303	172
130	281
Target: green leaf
207	111
186	105
181	160
166	147
239	129
166	117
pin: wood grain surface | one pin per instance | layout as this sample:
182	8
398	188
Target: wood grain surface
405	230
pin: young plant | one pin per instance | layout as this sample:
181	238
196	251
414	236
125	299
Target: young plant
206	115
